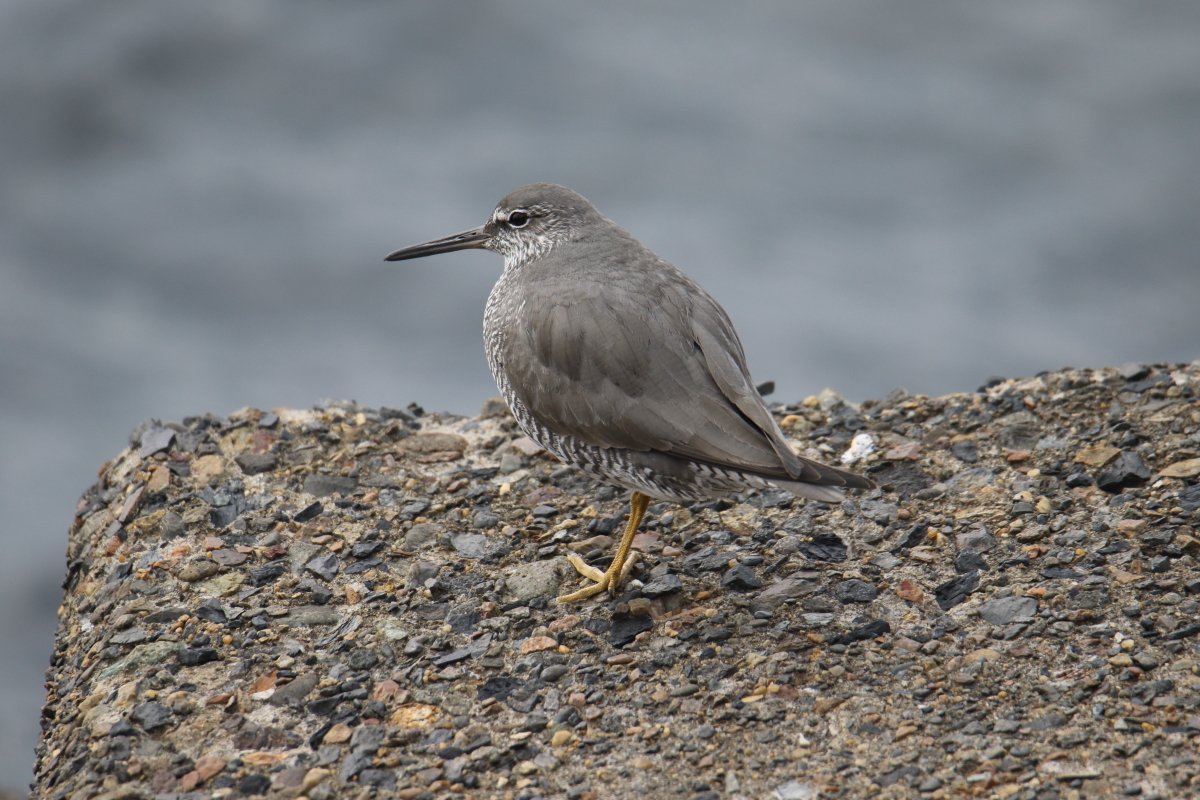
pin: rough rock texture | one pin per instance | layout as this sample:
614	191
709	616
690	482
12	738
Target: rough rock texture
347	602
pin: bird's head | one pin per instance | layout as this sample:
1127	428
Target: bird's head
527	223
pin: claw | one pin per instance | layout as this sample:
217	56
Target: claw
625	558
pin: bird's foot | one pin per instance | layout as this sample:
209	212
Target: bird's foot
603	580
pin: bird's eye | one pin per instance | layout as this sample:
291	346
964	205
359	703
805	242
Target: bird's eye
518	219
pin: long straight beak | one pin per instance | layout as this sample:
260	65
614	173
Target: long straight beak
467	240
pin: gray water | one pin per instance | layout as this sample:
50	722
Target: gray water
195	199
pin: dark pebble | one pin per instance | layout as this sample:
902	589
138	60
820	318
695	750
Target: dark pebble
254	463
966	451
969	561
308	512
740	578
367	549
1127	471
191	658
362	659
872	629
325	567
854	591
663	585
623	630
267	573
554	672
151	716
319	485
954	591
826	547
254	783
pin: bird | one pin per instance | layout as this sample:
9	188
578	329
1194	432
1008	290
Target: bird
618	363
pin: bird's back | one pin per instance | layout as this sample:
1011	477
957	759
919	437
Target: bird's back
603	343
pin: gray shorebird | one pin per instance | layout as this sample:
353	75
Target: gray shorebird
616	362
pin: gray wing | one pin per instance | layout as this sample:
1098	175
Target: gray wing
644	364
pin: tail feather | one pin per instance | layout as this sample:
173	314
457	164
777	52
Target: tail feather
826	494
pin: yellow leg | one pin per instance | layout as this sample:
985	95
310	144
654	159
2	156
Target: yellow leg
622	562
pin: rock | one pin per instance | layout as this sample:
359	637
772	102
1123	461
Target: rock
977	540
1047	722
854	591
325	567
255	463
1188	468
261	576
150	716
795	790
131	636
254	784
863	632
1019	436
208	467
319	485
368	739
910	592
485	520
469	545
197	570
366	549
362	659
430	443
1005	610
313	672
228	558
968	561
954	591
1127	471
1189	498
1097	455
420	573
886	561
740	578
309	512
777	593
1133	371
192	658
664	584
623	630
296	691
538	579
965	451
156	440
971	480
826	547
310	616
421	535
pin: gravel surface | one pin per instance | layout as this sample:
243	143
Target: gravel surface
351	602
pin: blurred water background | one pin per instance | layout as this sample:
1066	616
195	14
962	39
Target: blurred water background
195	199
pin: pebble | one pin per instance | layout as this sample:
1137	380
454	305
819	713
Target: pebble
469	545
854	591
664	584
325	567
741	578
539	579
325	485
1005	610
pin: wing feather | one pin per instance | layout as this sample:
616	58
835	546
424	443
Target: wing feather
629	362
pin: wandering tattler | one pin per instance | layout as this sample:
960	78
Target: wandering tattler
616	362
